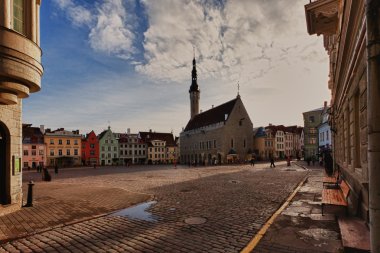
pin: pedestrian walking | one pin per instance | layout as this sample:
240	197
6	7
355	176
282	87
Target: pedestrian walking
272	163
253	161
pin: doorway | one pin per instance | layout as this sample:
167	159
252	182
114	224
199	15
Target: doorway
4	151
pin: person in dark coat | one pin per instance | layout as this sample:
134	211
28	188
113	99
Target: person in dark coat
329	164
272	162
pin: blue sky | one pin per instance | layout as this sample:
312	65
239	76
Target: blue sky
127	63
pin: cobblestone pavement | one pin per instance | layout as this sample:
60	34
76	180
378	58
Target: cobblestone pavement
234	201
301	228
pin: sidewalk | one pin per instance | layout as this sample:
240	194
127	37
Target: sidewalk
301	228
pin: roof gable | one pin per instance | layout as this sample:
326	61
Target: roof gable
212	116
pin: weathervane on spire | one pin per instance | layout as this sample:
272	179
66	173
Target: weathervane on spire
193	51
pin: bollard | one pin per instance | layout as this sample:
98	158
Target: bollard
29	201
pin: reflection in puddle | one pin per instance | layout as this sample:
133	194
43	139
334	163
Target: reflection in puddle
138	212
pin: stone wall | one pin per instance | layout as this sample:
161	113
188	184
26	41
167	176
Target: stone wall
10	116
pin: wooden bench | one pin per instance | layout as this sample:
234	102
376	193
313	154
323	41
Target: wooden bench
333	179
336	197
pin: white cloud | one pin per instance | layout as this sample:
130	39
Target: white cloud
77	14
112	34
110	28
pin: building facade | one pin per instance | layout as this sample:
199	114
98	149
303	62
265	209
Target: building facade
312	119
63	148
161	147
20	75
33	147
324	131
133	150
90	149
351	38
108	148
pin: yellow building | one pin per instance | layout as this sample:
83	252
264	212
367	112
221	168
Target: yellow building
161	147
20	74
63	148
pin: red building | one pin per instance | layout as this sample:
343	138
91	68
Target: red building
90	149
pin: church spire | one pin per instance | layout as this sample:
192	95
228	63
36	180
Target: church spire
194	92
194	83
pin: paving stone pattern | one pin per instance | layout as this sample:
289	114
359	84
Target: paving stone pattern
235	204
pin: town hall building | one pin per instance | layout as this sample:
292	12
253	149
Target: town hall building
223	134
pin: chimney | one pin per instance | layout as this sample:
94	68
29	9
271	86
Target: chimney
212	106
42	129
128	131
150	130
325	104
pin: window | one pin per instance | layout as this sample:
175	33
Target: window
26	153
114	148
18	16
232	143
109	148
92	146
102	155
33	146
311	119
67	151
34	153
26	165
75	142
40	152
60	152
68	142
60	142
103	149
135	152
214	143
51	141
52	152
75	151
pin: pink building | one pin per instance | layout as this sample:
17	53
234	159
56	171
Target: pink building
33	146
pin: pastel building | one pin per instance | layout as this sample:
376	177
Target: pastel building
133	150
90	149
33	147
20	75
63	147
161	147
108	147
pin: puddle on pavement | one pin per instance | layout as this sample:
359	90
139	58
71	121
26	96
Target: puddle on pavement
138	212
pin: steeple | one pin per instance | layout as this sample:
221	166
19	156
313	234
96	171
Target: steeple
194	83
194	92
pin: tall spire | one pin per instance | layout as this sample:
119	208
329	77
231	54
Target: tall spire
194	83
194	91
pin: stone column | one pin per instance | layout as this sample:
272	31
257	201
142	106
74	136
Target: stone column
38	23
373	93
33	20
6	19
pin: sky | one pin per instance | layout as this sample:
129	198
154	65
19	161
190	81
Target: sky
127	63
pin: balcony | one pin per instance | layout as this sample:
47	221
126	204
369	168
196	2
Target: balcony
20	66
322	17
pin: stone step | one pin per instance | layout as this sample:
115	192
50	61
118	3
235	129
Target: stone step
355	235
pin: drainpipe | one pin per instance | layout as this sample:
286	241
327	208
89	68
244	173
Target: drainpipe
373	93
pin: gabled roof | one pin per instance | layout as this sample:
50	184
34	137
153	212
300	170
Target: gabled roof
31	134
212	116
151	136
100	136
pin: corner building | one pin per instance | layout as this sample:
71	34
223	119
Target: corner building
20	75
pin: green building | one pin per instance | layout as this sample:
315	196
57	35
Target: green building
108	148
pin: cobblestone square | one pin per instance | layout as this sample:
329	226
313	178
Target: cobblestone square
71	213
